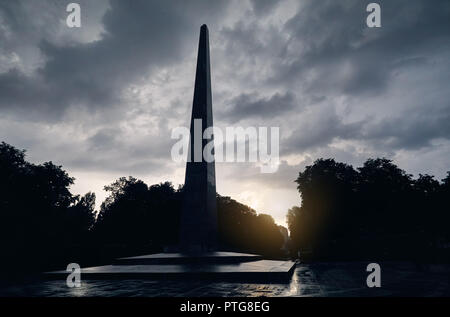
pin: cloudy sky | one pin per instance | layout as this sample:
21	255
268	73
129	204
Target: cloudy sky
102	100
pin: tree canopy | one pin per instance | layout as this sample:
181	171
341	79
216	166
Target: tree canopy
376	210
42	223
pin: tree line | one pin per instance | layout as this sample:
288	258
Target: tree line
43	225
373	212
376	211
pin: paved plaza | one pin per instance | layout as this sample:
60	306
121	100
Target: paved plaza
342	279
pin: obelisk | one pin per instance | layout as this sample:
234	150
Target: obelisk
198	227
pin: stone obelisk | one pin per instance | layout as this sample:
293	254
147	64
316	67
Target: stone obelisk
198	227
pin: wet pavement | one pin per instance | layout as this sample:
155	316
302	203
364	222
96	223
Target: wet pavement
342	279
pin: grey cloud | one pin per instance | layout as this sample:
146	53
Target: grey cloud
243	38
411	133
332	42
251	105
117	164
263	7
319	131
284	177
138	36
110	150
106	138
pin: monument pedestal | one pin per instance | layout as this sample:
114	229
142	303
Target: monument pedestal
240	267
189	258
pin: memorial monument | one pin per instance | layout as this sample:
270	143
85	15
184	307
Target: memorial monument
197	255
198	226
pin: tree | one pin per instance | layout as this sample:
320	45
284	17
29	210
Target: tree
81	215
136	213
377	210
242	229
329	203
299	228
38	213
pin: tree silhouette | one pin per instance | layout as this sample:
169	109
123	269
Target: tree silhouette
81	215
136	213
328	205
242	229
377	210
38	214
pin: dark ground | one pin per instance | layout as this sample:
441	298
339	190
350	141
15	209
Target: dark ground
347	279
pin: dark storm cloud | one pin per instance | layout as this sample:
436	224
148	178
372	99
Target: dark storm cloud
326	49
119	164
284	177
263	7
17	91
336	48
247	106
111	149
104	139
331	51
412	132
319	131
138	36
